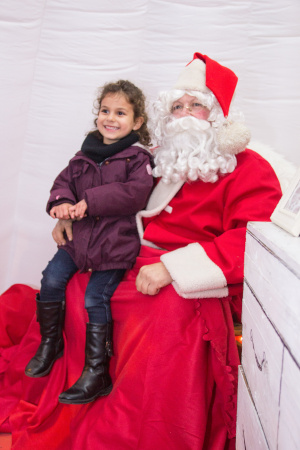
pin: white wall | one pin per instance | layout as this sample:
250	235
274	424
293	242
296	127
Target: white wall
55	53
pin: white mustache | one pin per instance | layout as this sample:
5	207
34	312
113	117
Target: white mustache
186	123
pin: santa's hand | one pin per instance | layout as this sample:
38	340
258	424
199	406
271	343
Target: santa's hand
152	278
58	231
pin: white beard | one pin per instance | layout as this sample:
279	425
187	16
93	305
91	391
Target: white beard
189	152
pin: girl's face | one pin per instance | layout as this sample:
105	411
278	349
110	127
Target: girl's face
116	118
189	106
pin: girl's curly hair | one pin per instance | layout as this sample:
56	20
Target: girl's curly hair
135	97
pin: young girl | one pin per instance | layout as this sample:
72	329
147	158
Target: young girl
101	189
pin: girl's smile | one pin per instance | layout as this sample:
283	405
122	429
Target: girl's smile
116	118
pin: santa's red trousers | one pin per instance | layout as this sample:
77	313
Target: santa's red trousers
174	371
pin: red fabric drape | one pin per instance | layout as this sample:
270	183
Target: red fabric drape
174	371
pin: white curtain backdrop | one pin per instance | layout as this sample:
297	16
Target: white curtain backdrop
55	53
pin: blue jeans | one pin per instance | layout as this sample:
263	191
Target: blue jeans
99	291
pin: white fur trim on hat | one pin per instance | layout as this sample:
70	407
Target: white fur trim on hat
193	77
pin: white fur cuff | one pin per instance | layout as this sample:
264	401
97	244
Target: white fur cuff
195	275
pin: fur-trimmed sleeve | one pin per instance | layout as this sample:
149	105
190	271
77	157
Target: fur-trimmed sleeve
195	275
210	268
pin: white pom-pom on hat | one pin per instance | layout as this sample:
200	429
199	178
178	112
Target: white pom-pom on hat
233	137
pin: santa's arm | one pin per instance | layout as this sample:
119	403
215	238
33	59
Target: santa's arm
209	269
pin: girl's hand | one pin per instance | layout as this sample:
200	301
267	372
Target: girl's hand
78	211
61	211
152	278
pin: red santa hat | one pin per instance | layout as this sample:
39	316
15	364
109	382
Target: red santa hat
204	74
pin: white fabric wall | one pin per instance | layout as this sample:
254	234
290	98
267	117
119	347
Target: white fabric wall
55	53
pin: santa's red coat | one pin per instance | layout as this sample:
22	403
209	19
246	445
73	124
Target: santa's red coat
175	362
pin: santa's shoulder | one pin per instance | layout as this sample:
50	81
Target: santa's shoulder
262	157
251	161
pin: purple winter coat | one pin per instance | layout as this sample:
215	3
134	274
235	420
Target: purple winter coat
114	192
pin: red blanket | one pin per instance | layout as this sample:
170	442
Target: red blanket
174	371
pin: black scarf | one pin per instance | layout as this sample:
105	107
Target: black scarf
94	148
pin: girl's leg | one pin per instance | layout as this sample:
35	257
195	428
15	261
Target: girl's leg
51	314
98	293
56	276
95	380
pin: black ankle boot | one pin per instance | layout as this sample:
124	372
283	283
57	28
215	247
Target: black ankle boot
95	380
51	317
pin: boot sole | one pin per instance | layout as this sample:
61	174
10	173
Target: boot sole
46	372
102	393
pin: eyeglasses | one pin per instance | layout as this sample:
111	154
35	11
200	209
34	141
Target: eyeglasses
194	108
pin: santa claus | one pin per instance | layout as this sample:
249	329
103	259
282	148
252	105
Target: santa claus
210	186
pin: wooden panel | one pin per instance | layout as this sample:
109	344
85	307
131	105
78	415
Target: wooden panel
277	288
278	241
289	424
262	362
249	433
